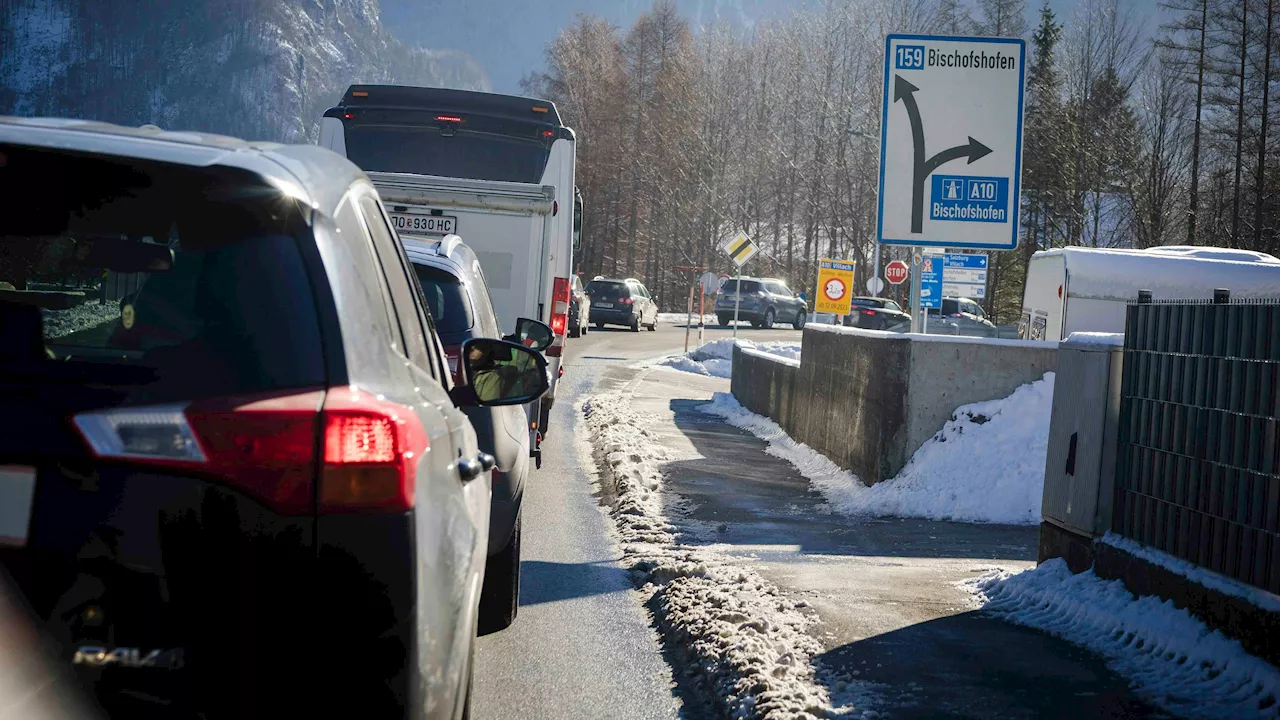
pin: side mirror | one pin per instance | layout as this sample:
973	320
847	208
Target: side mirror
532	334
498	372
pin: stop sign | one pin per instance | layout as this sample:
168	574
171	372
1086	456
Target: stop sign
896	272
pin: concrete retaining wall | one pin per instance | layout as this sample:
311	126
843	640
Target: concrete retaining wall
868	400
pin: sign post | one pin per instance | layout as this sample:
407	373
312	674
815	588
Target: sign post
835	286
740	249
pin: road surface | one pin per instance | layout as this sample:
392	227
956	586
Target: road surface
582	645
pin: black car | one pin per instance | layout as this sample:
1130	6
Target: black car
763	302
240	486
875	313
622	302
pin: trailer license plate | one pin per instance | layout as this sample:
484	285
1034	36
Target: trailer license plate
425	224
17	489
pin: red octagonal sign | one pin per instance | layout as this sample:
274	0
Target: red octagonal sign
896	272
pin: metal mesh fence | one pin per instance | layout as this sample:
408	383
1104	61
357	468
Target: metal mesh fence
1198	465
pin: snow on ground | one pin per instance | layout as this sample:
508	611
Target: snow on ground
681	318
81	317
985	465
1173	660
716	357
743	637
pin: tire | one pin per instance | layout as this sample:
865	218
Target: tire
575	331
635	325
599	326
724	320
500	594
801	317
653	326
767	323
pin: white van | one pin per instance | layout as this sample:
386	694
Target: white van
1077	289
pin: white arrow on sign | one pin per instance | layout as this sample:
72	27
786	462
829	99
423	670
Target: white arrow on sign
951	141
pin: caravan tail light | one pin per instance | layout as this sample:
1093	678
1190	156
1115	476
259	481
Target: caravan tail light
561	295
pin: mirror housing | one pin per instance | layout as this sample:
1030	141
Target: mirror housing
532	334
498	372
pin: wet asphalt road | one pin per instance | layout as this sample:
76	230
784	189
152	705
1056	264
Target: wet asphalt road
582	645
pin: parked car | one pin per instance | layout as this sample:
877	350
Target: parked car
764	302
241	487
458	297
622	302
579	308
875	313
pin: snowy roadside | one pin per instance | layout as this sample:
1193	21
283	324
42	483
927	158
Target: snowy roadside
745	638
670	318
1172	659
716	357
985	465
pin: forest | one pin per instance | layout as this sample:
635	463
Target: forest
1132	138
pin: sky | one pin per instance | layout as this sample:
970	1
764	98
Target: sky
508	37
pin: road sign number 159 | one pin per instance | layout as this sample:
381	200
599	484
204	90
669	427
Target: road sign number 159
910	57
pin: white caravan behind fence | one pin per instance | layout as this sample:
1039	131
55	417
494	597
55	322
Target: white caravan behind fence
1076	289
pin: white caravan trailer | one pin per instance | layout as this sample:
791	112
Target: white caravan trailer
1077	289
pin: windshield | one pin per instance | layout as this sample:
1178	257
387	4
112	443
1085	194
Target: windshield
182	276
425	150
607	290
446	298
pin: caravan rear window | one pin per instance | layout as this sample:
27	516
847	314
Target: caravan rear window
427	150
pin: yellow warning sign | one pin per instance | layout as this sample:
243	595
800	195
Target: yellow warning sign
835	286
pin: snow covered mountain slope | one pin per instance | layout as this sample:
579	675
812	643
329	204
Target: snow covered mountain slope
259	69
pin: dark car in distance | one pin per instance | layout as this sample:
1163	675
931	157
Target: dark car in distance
875	313
241	486
764	301
622	302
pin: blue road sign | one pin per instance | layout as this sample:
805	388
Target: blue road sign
951	141
970	199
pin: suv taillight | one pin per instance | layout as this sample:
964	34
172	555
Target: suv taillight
625	301
265	445
371	452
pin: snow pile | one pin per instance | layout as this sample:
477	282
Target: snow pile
1170	656
58	323
1096	338
716	357
985	465
742	635
679	318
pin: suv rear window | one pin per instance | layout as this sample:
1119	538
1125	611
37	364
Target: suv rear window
607	290
447	299
189	279
749	286
867	302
